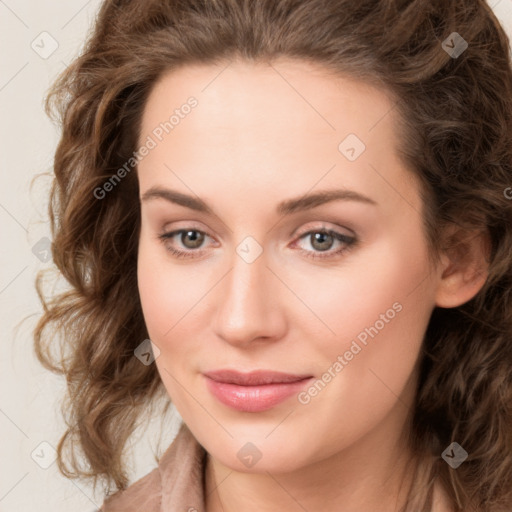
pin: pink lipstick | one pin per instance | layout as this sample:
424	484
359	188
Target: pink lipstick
255	391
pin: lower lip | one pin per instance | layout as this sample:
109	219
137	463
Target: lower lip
254	398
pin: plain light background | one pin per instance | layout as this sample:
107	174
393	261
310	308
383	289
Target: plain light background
38	40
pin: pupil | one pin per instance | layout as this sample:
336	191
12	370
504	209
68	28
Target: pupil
194	236
320	237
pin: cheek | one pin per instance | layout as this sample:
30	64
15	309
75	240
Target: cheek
167	290
383	312
172	296
158	288
164	301
354	296
379	310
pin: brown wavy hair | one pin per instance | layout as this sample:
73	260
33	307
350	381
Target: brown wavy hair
455	126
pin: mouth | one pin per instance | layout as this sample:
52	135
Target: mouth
255	391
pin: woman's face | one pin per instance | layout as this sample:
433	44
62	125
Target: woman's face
273	276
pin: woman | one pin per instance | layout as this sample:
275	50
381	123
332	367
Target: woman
294	220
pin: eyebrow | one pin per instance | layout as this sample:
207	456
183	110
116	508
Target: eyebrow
286	207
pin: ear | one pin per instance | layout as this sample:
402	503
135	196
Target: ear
464	266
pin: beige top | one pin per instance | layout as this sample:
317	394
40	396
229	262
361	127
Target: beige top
177	484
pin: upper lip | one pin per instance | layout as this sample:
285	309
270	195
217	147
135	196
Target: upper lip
254	378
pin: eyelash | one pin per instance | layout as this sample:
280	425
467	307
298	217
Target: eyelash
349	242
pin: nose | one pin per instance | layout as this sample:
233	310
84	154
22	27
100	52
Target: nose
248	308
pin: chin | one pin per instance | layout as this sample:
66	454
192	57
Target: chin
253	450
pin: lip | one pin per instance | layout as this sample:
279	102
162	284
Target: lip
254	391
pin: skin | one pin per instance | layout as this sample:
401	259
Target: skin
261	134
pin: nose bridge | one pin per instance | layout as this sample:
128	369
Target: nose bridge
247	306
247	282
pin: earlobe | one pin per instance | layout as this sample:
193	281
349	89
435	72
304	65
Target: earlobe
463	269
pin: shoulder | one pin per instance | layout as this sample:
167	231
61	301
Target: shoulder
144	494
179	473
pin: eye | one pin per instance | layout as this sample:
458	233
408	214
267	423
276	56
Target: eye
190	238
322	240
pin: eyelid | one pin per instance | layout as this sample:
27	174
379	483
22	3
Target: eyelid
168	234
186	226
323	226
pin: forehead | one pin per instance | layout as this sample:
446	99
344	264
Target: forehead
289	123
270	97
